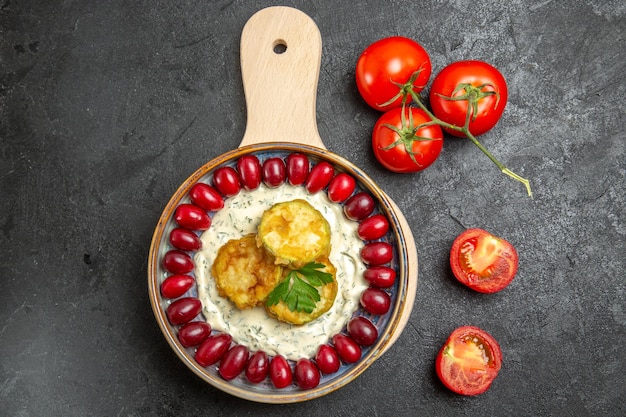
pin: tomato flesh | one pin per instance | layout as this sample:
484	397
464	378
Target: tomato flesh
469	361
482	261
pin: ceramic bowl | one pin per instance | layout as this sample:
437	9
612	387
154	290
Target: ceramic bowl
387	324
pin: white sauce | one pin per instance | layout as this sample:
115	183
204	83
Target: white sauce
253	327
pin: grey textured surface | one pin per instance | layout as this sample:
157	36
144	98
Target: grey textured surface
106	107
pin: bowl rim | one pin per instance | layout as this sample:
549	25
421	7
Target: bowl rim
292	396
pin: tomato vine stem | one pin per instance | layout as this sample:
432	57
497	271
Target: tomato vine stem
472	95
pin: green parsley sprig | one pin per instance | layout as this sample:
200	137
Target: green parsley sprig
298	289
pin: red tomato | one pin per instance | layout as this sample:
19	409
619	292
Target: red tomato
319	177
280	372
274	172
212	349
386	65
362	331
359	206
297	168
249	169
205	196
177	262
380	276
399	147
341	187
183	310
327	359
469	361
192	217
176	285
375	301
482	261
258	367
226	181
184	239
373	227
194	333
377	253
233	362
348	350
307	374
485	89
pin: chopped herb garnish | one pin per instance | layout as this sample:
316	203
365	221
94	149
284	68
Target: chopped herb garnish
298	290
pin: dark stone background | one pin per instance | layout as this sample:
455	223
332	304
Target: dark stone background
107	106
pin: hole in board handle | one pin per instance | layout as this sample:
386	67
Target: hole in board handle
280	46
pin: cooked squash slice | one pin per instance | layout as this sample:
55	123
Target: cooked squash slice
294	232
245	273
327	292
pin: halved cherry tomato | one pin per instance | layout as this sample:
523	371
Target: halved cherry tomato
205	196
177	262
297	168
183	310
233	362
213	348
359	206
280	372
399	147
176	285
380	276
374	227
482	261
327	359
185	239
274	172
377	253
341	187
192	217
226	181
469	361
258	367
307	374
347	349
389	62
194	333
375	301
249	168
319	177
483	86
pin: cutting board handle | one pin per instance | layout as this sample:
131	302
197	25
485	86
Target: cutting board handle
281	50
